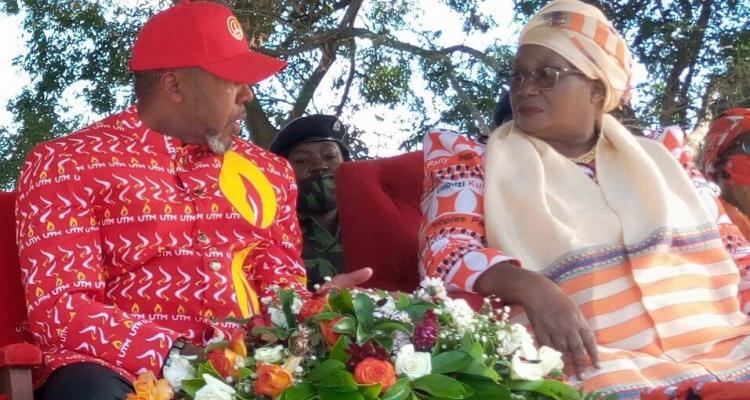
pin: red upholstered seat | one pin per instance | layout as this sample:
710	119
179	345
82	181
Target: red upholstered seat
15	355
379	213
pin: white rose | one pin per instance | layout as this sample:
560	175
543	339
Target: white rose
179	369
214	390
538	367
521	369
550	359
413	364
270	355
296	305
277	317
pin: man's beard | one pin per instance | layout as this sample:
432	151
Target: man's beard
216	145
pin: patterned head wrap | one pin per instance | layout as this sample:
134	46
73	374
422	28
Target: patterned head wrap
581	34
720	136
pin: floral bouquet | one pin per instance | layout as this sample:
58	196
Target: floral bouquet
365	345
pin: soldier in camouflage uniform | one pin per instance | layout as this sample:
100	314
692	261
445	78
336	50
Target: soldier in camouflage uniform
313	146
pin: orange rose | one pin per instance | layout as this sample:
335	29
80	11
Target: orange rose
312	307
223	361
326	329
272	380
372	370
237	342
147	387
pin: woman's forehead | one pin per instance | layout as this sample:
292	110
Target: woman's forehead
534	55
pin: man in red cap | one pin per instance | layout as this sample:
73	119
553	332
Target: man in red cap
141	235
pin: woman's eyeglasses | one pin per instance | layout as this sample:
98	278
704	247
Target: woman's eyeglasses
544	78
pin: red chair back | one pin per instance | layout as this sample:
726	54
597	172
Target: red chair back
379	214
12	299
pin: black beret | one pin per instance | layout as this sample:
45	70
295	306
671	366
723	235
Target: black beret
311	128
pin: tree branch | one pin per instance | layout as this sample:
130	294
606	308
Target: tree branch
475	114
685	59
348	85
328	56
316	39
261	129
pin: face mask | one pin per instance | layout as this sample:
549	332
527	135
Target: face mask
317	194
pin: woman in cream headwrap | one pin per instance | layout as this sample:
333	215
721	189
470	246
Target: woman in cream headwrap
597	235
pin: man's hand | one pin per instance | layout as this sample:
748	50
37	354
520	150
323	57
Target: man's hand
348	280
191	350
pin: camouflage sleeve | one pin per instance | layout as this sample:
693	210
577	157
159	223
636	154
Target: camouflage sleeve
280	263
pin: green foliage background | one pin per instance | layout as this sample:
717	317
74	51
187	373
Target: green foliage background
697	54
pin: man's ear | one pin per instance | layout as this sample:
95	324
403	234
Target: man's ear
170	83
597	92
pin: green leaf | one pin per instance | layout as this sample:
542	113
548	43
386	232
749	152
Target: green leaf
403	302
346	326
276	333
471	346
399	391
286	297
363	309
329	394
244	373
339	381
450	361
370	392
300	391
442	386
325	368
548	387
208	368
341	301
190	386
416	311
484	388
363	335
480	369
339	349
326	316
391	326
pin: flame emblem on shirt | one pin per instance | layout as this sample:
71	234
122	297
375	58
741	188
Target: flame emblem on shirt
248	189
247	299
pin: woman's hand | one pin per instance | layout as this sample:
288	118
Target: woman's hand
558	323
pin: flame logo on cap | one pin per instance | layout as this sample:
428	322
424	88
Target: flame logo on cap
235	28
248	189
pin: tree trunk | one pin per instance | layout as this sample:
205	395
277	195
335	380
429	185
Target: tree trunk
261	129
675	93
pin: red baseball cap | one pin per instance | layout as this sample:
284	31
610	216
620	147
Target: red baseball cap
201	34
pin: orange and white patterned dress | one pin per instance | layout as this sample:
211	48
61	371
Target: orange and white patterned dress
129	240
646	338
